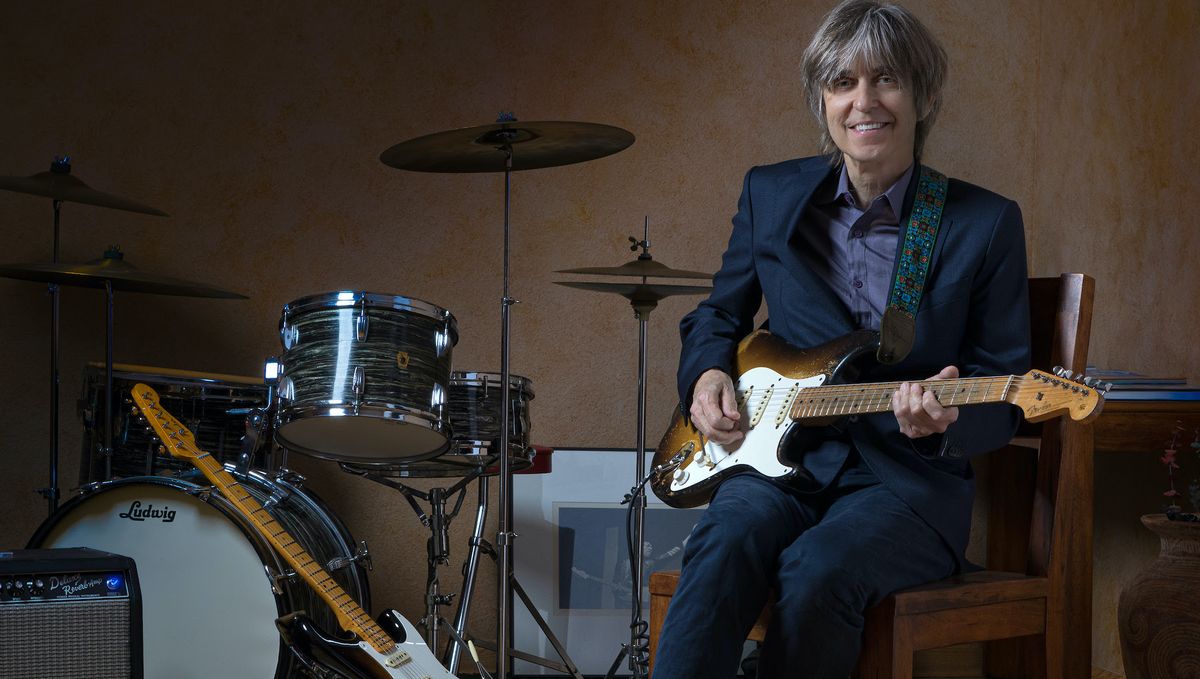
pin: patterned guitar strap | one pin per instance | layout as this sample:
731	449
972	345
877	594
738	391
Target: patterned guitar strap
899	328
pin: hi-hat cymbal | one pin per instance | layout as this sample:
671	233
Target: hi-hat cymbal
534	145
112	267
639	293
645	268
65	187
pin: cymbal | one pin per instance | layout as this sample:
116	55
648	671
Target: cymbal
639	293
646	268
534	145
112	267
65	187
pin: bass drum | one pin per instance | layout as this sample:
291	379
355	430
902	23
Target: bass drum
209	590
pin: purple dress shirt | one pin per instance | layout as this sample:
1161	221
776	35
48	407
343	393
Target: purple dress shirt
853	250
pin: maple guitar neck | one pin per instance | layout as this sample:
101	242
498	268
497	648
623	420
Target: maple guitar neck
862	399
180	442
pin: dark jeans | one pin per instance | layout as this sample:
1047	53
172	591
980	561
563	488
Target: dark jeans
827	556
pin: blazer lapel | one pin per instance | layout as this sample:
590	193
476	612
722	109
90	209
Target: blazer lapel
793	201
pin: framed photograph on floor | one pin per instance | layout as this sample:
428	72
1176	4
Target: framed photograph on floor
572	557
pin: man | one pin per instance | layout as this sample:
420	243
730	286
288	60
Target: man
820	239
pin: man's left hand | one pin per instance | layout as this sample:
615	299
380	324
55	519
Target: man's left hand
919	412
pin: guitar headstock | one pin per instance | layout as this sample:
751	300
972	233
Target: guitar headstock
176	438
1042	395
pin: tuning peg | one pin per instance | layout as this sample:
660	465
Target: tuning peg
1091	381
1107	386
1058	370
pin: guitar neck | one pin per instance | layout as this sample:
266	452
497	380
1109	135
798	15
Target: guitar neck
836	400
350	615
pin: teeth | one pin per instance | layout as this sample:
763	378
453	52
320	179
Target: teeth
868	126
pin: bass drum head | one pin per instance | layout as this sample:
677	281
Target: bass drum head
208	606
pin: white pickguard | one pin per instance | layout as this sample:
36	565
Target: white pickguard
764	399
412	659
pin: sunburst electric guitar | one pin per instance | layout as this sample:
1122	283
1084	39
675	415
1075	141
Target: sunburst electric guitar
783	391
389	648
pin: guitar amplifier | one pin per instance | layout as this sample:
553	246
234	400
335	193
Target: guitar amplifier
69	613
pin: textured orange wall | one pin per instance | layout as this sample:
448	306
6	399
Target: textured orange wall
258	128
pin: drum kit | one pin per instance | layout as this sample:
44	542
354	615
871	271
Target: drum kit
365	380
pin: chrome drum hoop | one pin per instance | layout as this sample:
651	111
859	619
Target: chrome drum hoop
213	406
221	596
474	412
365	377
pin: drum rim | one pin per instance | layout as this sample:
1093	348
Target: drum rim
152	374
415	471
395	414
373	300
283	598
476	377
284	602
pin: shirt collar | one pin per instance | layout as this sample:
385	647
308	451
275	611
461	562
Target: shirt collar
894	195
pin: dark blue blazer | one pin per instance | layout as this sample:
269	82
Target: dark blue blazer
974	314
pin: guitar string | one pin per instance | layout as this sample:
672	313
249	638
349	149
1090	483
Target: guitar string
877	396
962	392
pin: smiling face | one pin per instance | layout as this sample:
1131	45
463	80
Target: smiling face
872	119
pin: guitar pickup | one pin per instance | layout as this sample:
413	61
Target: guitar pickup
761	406
782	415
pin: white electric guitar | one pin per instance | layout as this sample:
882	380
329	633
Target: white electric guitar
389	648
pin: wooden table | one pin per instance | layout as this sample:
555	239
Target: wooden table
1142	426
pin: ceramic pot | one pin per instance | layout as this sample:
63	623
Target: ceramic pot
1158	616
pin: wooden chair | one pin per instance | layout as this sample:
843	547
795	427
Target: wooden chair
1034	606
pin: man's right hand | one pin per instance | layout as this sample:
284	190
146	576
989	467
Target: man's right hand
714	407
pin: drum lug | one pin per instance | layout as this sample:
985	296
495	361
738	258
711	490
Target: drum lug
362	322
278	495
360	383
287	389
202	493
279	579
362	554
290	477
289	335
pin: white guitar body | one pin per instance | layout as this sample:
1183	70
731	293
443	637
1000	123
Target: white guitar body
411	659
764	400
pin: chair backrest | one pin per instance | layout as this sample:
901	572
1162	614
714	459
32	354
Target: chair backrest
1052	509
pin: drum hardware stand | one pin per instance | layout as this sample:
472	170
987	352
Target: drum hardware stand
438	521
61	166
548	144
504	532
567	665
644	298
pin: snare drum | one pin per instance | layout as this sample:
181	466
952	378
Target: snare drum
364	377
213	406
474	409
210	595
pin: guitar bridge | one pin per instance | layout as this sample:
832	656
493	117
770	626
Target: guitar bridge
397	658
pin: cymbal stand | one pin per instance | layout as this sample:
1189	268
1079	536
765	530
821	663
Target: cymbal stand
108	379
63	166
507	585
470	570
